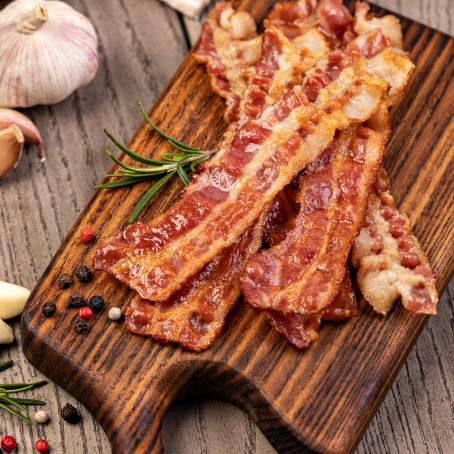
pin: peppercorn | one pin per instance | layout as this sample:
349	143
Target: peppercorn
83	273
97	303
65	281
81	326
42	446
85	313
8	443
49	309
70	414
76	301
41	417
86	235
115	314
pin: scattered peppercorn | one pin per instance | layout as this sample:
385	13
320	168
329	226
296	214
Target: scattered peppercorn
49	309
70	414
65	280
85	313
86	235
8	443
97	303
76	301
115	314
41	417
81	326
42	445
83	273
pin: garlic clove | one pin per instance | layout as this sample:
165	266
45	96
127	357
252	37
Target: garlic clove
31	133
11	146
6	333
12	300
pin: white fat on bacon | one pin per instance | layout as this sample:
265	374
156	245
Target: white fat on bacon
389	24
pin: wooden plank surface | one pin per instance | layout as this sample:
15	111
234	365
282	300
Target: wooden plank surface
417	414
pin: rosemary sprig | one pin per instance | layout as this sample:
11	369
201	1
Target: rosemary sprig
182	165
17	406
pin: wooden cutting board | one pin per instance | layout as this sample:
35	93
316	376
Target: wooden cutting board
321	399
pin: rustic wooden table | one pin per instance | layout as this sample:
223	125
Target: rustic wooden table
141	44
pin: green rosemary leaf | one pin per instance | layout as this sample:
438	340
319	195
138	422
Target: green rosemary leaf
121	183
6	365
28	401
149	195
176	143
8	401
182	174
18	388
15	413
195	164
130	153
139	170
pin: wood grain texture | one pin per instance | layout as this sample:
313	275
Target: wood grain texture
321	399
416	415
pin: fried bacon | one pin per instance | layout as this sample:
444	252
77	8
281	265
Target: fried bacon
194	315
244	176
390	260
302	330
303	273
230	47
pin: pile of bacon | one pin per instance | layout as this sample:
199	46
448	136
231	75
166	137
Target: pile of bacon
296	191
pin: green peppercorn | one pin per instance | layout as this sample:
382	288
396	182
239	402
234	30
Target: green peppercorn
65	281
81	326
76	301
96	303
83	273
49	309
70	414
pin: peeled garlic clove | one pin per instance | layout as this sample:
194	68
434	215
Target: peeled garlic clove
12	300
31	133
47	50
6	333
11	146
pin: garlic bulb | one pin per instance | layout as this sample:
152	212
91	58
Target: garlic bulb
11	146
12	300
31	133
47	50
6	333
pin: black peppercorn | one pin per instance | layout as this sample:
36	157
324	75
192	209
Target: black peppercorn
65	281
81	326
76	301
70	414
96	303
83	273
49	309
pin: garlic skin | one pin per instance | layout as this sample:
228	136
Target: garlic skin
31	133
47	50
12	300
6	333
11	145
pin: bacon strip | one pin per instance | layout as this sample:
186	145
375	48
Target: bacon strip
303	273
390	260
302	330
244	176
230	47
195	314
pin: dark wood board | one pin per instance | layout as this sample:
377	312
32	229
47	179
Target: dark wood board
321	399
